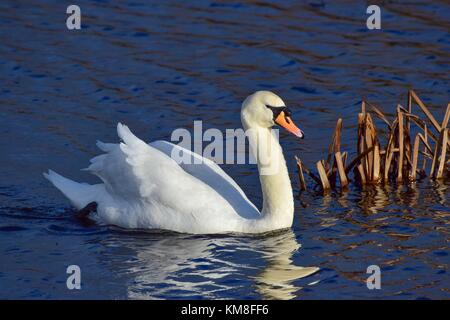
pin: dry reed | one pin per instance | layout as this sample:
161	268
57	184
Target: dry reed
398	161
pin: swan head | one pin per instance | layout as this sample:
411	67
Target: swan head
265	109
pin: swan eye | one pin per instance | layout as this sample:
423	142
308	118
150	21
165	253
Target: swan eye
277	110
287	112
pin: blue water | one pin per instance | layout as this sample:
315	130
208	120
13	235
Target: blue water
160	66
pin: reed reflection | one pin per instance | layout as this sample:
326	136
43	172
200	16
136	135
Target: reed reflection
374	198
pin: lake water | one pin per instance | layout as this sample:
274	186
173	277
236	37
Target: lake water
158	67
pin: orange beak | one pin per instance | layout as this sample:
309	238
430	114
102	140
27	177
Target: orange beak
287	123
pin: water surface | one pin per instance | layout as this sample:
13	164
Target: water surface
158	67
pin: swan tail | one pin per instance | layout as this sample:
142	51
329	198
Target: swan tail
79	194
106	147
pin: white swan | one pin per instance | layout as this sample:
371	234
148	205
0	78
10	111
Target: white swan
143	187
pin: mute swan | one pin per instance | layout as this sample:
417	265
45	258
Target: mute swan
144	187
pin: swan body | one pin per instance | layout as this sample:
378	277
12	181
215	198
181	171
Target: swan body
143	187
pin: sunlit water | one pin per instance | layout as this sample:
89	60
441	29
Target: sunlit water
160	67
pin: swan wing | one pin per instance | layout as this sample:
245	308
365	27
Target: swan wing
210	173
148	188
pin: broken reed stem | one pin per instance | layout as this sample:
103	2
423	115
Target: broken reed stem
344	157
409	103
425	110
425	141
340	165
356	160
400	145
369	143
443	145
413	173
379	113
323	175
390	151
335	144
376	163
300	174
446	117
362	177
309	173
428	113
436	154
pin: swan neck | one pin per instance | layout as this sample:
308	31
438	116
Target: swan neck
278	201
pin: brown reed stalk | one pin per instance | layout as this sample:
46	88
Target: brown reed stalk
443	146
357	160
335	144
425	110
446	117
437	148
390	150
323	175
301	177
400	145
379	113
413	173
309	173
369	142
340	165
362	176
344	157
409	104
376	163
428	114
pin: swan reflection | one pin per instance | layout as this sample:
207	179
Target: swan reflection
186	266
276	280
